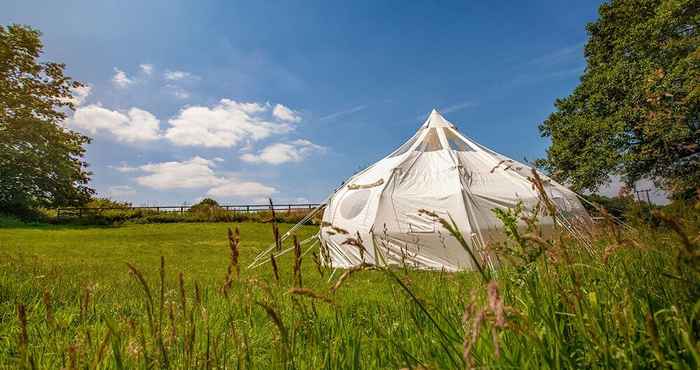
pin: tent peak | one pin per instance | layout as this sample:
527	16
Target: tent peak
435	119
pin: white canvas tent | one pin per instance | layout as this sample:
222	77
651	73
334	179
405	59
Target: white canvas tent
442	171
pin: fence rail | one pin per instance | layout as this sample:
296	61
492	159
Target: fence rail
236	208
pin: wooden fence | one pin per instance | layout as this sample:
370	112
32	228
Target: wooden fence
235	208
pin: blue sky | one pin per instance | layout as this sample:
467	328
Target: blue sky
241	101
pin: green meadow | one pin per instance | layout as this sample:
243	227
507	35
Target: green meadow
68	299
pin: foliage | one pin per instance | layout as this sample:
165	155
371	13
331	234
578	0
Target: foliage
107	203
636	111
41	162
205	205
150	216
633	302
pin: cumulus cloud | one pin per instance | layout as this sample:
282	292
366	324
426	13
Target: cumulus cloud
194	173
278	153
177	75
123	167
136	125
224	125
285	114
146	68
120	79
241	189
198	173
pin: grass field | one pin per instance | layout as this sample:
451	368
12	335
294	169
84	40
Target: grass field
69	300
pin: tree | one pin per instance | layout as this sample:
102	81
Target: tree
41	162
635	112
205	205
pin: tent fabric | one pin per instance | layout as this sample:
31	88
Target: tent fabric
441	171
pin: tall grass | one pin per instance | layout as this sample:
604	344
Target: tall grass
631	301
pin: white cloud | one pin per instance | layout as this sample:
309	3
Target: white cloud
343	113
194	173
177	75
136	125
123	167
244	189
146	68
78	95
198	173
560	55
120	79
119	191
285	114
458	107
278	153
223	125
178	91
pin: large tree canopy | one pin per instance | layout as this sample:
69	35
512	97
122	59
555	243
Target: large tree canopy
40	161
635	112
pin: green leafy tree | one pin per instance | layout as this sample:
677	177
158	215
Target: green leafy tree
205	205
635	112
41	162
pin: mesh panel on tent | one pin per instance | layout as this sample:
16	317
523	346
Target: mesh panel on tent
431	142
456	143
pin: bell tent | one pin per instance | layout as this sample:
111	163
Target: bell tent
441	171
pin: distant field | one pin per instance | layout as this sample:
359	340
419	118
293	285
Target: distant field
97	254
68	300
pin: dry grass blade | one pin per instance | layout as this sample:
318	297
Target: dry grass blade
183	297
234	239
275	317
339	230
84	304
275	228
317	262
72	357
536	239
197	295
155	331
49	308
22	317
310	293
275	270
357	243
347	274
101	350
538	183
297	262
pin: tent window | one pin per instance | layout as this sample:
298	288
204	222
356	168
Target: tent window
431	142
354	203
456	143
406	146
